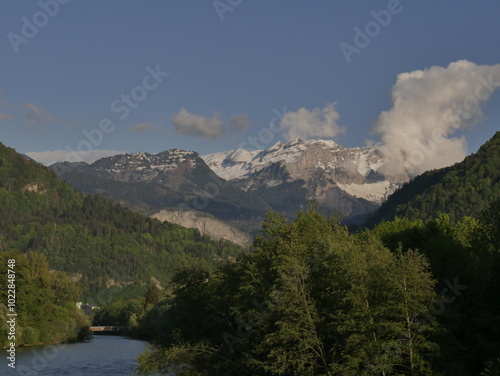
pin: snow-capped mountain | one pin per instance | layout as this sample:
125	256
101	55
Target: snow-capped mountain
145	167
354	170
339	178
239	184
170	179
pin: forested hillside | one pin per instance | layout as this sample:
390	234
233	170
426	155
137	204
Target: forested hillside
407	298
41	302
100	243
464	189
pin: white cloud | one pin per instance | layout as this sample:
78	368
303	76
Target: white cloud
4	105
48	158
240	122
209	127
319	122
5	117
429	106
198	126
141	127
35	114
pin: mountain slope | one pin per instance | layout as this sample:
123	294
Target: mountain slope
345	180
464	189
99	242
173	178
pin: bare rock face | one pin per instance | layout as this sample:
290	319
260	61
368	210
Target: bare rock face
206	224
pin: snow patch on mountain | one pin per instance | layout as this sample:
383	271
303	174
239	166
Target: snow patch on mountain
354	170
237	164
145	167
374	192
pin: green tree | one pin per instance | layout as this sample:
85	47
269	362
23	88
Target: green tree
309	300
44	303
152	295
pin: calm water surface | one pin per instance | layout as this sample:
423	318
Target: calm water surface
105	355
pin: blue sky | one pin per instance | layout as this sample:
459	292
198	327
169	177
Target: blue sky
231	70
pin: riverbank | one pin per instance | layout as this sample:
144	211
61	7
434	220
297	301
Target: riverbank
104	355
80	338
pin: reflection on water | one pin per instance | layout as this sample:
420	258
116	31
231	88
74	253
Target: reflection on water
104	355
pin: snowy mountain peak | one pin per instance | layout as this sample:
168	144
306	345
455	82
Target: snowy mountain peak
326	143
353	170
295	141
143	167
298	141
141	155
241	155
276	146
328	155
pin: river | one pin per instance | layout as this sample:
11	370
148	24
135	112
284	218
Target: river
104	355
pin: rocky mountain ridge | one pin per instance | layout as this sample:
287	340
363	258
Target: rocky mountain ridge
151	182
145	167
240	184
343	180
350	169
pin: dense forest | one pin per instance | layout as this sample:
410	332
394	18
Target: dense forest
464	189
406	298
113	252
44	302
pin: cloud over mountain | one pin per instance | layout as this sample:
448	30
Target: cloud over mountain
430	107
318	122
199	126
